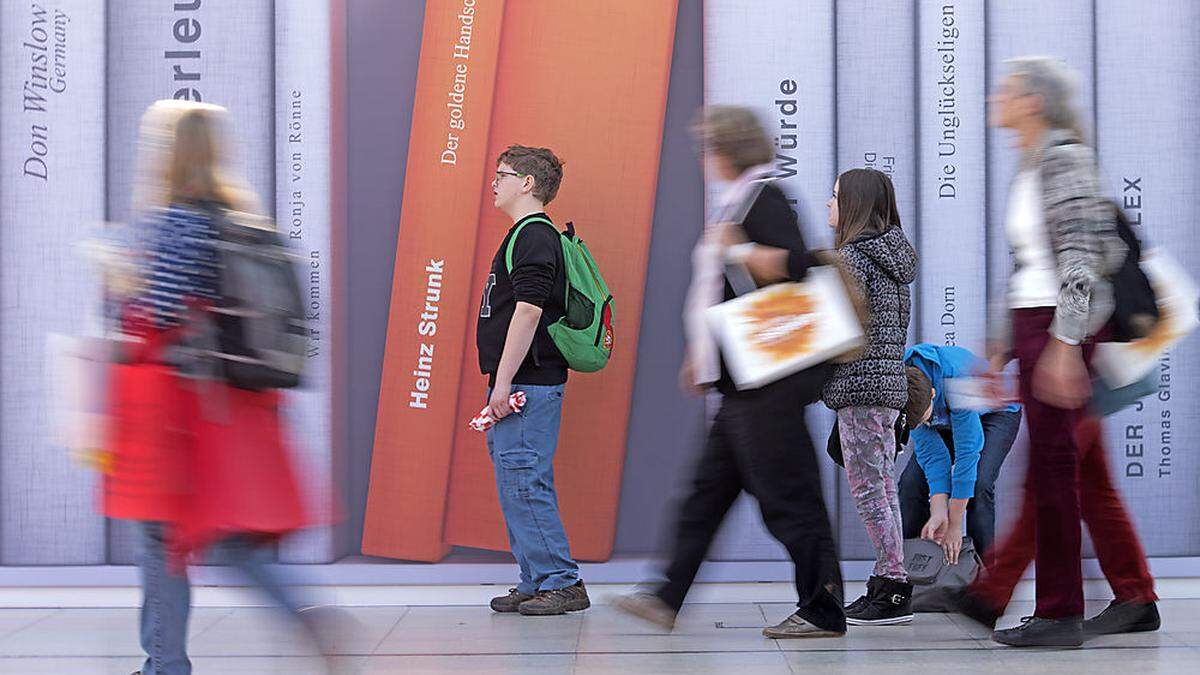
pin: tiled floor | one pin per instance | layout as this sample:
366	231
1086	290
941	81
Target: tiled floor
710	638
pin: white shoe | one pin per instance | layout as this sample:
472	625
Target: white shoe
648	607
796	627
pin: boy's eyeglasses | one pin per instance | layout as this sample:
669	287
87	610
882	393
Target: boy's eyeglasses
502	174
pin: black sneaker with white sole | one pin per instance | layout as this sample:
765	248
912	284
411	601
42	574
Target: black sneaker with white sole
858	604
887	603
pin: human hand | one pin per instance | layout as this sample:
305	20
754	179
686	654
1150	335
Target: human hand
498	402
767	264
952	542
687	379
935	527
1060	377
998	355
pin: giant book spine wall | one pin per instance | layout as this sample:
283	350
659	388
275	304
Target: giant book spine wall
51	198
216	51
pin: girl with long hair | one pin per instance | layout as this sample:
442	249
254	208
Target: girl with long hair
869	392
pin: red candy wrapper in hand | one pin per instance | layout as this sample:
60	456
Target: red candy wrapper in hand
484	421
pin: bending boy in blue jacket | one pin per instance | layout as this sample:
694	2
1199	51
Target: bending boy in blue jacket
957	453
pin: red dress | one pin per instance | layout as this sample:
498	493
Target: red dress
203	456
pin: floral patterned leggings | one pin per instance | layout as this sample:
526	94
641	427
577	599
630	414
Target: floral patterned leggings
869	451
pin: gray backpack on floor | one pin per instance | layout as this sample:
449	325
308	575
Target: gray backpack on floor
934	581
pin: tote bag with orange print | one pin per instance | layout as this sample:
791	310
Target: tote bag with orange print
778	330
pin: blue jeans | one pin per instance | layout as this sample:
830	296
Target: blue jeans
166	595
999	433
522	448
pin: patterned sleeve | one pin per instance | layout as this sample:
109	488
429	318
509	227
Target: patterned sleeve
179	263
1082	230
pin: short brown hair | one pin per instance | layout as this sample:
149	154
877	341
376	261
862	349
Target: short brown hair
920	394
735	133
541	163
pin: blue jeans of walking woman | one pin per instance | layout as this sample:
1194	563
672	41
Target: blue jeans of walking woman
522	447
166	595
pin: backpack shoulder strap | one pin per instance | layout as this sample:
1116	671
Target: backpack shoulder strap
512	241
219	215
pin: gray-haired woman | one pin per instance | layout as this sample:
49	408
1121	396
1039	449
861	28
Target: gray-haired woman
1063	234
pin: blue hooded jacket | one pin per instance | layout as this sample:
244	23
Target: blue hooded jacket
958	478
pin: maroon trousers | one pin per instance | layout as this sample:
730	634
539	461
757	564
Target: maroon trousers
1113	537
1068	480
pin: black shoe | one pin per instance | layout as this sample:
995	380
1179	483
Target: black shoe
888	603
1038	632
863	600
1124	617
975	609
858	604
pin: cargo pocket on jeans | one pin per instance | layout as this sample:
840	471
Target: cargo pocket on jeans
517	470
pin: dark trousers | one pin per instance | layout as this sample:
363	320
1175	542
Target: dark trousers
759	443
1113	536
999	434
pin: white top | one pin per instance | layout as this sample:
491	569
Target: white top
1035	282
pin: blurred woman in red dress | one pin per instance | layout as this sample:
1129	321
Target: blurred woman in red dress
202	465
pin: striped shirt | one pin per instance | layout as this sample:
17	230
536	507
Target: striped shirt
180	263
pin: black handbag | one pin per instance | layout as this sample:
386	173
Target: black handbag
834	446
1135	307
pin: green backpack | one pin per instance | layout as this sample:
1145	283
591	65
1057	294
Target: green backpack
584	334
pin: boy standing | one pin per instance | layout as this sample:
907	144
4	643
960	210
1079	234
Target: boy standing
522	297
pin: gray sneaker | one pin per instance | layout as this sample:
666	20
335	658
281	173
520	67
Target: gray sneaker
506	604
559	601
1035	631
796	627
648	607
1123	617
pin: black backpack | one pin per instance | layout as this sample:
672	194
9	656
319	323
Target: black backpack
1135	306
254	336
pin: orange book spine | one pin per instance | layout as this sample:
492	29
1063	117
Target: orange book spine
432	285
588	80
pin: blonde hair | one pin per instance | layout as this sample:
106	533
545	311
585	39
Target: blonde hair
184	159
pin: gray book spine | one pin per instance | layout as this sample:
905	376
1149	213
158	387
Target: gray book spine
303	144
952	178
51	197
791	87
1148	130
876	128
216	51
